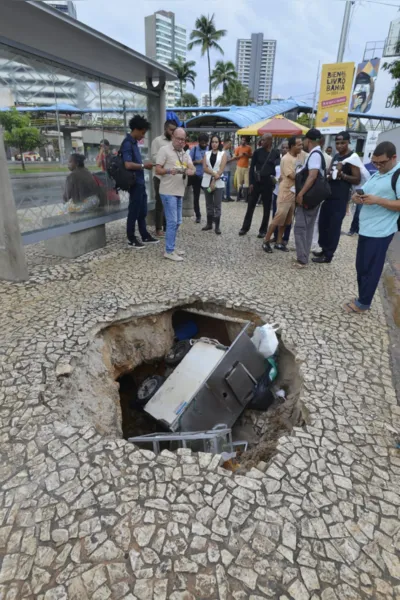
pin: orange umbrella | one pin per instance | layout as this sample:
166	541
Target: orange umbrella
280	126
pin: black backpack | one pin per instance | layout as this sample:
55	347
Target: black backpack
124	179
395	177
321	189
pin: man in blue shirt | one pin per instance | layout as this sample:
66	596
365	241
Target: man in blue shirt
197	154
137	210
380	209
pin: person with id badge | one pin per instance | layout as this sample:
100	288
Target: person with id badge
173	166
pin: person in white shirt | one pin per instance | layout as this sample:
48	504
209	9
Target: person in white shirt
305	218
328	160
214	163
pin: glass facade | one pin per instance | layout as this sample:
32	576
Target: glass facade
73	113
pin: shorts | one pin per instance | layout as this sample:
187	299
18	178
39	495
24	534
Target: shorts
242	176
284	214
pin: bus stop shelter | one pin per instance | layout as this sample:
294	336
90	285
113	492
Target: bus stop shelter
50	59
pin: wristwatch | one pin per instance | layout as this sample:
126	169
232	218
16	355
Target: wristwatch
143	166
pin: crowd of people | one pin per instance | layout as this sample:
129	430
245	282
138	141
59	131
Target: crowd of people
302	184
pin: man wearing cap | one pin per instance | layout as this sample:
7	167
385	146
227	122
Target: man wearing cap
333	211
305	218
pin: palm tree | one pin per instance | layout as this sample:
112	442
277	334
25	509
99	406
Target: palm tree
224	73
207	37
235	94
184	72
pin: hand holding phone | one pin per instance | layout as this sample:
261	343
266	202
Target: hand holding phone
360	192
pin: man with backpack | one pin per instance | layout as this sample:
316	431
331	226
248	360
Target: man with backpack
379	218
342	176
305	214
137	210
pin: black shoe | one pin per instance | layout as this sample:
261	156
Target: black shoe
321	259
318	253
136	244
350	233
242	232
230	200
261	235
151	240
267	248
225	200
208	227
198	219
281	247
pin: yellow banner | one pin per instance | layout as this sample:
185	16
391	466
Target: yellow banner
334	97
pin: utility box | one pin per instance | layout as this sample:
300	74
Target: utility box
212	384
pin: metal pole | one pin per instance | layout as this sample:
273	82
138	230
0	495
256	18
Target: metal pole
315	95
345	30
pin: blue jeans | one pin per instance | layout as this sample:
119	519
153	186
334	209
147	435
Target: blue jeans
137	212
228	184
173	215
371	254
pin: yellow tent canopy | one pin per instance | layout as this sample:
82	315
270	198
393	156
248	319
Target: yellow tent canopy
253	129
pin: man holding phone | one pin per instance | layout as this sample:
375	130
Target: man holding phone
173	166
380	209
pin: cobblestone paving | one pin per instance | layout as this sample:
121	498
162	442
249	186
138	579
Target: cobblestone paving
83	516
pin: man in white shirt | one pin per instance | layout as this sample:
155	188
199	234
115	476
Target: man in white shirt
328	160
305	218
157	143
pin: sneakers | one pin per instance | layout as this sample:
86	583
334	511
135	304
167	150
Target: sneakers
136	244
151	240
281	247
267	248
180	252
173	256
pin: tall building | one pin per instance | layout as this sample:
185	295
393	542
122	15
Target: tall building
255	63
65	6
205	99
166	41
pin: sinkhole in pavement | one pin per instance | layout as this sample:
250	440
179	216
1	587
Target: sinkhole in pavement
107	390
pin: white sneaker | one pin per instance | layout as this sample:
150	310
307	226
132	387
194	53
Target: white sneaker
173	256
180	252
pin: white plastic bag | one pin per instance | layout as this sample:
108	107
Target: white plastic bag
265	339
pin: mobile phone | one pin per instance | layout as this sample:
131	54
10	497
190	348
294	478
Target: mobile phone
360	192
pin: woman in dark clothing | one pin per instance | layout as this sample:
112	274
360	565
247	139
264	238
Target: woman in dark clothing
81	192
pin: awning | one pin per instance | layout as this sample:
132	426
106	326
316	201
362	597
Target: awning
278	126
41	30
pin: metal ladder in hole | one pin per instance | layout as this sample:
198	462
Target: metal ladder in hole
216	440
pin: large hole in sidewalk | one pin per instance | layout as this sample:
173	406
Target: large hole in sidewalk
127	352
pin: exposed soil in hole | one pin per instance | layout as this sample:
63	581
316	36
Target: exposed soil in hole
261	429
101	388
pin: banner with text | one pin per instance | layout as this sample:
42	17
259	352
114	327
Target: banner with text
334	97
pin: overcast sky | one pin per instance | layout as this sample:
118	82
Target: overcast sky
306	31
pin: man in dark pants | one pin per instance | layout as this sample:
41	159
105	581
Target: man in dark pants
341	177
137	210
262	171
156	144
197	154
378	224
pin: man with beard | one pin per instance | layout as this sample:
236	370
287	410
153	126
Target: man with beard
262	172
157	143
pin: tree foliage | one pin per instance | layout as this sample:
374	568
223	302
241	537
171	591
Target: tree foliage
304	120
235	94
394	70
224	74
184	72
206	37
19	133
189	100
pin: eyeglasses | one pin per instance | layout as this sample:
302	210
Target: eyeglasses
381	163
